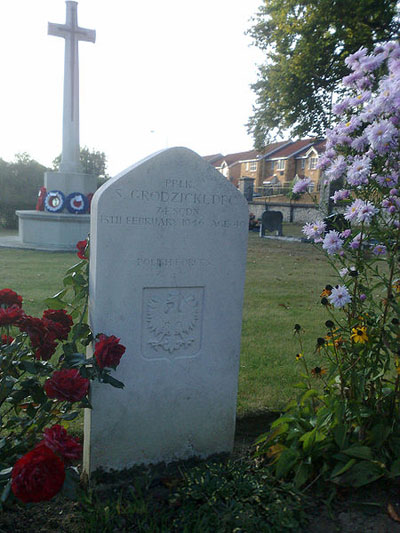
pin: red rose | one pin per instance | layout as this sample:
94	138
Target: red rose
81	245
38	475
41	337
8	298
6	339
57	439
10	315
108	351
57	322
67	385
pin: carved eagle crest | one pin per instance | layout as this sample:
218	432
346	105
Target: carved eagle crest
171	318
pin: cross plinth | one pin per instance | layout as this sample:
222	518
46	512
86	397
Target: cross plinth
72	33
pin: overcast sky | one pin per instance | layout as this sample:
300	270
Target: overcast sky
161	73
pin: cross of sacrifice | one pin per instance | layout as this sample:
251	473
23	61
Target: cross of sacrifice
72	33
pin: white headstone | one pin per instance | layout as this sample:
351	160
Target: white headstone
167	269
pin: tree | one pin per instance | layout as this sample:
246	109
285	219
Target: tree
306	43
20	182
93	162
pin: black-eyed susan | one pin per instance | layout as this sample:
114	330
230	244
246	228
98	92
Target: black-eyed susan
334	339
325	293
318	372
359	335
299	356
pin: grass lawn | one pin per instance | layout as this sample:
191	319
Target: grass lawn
283	283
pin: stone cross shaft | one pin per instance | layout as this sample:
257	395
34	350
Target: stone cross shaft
72	33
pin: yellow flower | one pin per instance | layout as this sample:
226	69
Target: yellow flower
299	356
359	335
334	339
317	372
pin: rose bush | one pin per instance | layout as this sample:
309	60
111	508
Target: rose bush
44	381
345	425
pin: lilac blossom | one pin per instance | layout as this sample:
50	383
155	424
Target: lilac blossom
346	233
314	230
343	272
339	296
301	185
332	242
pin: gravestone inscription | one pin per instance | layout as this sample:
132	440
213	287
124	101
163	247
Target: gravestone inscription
167	267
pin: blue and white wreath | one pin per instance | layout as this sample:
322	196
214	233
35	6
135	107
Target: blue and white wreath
77	203
54	201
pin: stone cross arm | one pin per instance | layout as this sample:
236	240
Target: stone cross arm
62	30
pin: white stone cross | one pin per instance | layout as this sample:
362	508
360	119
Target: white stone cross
72	33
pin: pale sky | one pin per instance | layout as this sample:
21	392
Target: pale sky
161	73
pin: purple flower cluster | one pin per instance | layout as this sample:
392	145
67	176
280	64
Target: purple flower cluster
363	151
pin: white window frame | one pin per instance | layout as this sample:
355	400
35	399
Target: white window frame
280	165
253	166
313	162
303	164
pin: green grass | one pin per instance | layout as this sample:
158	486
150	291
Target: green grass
283	283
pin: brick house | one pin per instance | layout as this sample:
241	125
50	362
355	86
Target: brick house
278	164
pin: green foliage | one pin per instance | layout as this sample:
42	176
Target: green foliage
25	408
92	161
305	44
215	497
20	182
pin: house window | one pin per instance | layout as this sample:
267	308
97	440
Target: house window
253	166
313	163
303	164
281	164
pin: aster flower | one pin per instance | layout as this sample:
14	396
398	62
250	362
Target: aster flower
301	185
332	242
339	195
366	211
359	170
314	230
353	209
337	169
379	249
355	243
339	296
381	135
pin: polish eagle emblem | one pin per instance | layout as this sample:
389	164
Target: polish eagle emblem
171	319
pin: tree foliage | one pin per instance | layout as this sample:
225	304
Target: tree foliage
306	42
92	161
20	181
